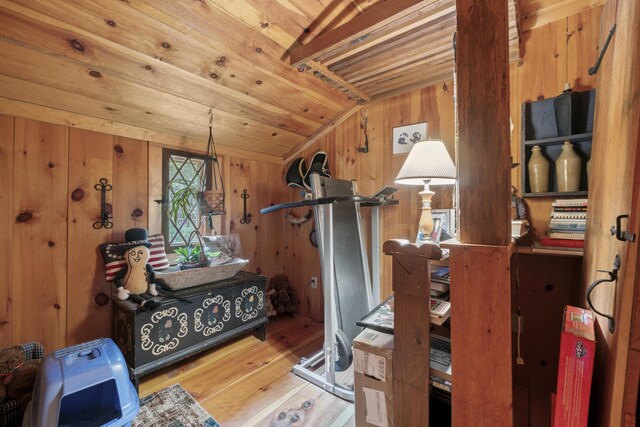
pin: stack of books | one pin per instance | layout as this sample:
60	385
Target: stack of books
440	367
567	224
440	281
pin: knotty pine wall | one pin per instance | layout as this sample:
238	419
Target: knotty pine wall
372	171
50	268
47	290
555	53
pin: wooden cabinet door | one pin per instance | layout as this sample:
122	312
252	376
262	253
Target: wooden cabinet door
614	190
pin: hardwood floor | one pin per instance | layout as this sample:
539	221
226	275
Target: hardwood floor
247	382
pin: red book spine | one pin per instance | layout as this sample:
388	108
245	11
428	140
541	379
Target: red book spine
562	243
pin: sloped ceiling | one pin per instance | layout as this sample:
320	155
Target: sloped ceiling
163	65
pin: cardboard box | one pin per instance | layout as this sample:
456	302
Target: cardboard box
575	368
373	381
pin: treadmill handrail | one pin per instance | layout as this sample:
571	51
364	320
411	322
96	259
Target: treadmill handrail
363	200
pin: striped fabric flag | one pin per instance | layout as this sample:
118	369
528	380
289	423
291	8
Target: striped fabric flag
113	261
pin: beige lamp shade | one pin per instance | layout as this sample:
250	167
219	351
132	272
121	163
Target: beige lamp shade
428	163
427	160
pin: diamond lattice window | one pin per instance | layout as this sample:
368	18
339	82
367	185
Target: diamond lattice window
182	170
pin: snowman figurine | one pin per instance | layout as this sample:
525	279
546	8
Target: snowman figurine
136	280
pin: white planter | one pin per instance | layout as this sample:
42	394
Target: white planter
177	279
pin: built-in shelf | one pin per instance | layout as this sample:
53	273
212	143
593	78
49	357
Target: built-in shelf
539	129
560	139
547	251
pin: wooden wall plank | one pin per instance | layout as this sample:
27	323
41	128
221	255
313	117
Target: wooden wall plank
240	178
6	227
90	160
632	386
376	169
258	191
540	409
541	74
130	185
520	406
582	48
550	282
81	121
40	189
615	142
155	190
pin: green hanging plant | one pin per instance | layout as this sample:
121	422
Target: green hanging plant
183	200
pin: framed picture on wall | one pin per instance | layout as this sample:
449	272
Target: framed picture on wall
405	136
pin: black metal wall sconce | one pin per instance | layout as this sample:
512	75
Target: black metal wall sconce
103	187
246	218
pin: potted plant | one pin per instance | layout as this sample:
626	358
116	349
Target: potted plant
191	256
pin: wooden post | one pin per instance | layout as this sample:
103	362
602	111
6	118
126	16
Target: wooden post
482	104
480	278
481	336
412	318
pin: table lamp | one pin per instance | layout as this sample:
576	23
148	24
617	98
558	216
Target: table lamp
428	163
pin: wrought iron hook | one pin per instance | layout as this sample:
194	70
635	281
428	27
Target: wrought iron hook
613	276
595	67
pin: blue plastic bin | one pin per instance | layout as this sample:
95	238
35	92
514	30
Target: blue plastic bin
84	385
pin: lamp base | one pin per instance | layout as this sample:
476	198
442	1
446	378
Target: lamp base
425	227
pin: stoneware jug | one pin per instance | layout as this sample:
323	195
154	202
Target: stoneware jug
567	107
568	166
538	171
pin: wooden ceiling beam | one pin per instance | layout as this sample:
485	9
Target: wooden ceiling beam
436	56
424	17
432	80
534	16
409	52
400	44
351	33
321	132
417	77
339	81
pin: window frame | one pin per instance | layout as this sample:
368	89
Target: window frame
167	153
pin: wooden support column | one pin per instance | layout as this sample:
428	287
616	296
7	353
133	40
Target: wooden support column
412	287
480	279
480	336
482	104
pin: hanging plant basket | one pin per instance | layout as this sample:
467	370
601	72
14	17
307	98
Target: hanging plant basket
211	202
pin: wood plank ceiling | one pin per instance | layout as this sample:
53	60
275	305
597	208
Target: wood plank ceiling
162	65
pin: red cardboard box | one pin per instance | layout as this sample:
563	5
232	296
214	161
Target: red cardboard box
575	368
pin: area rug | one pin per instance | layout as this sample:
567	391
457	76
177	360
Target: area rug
172	407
